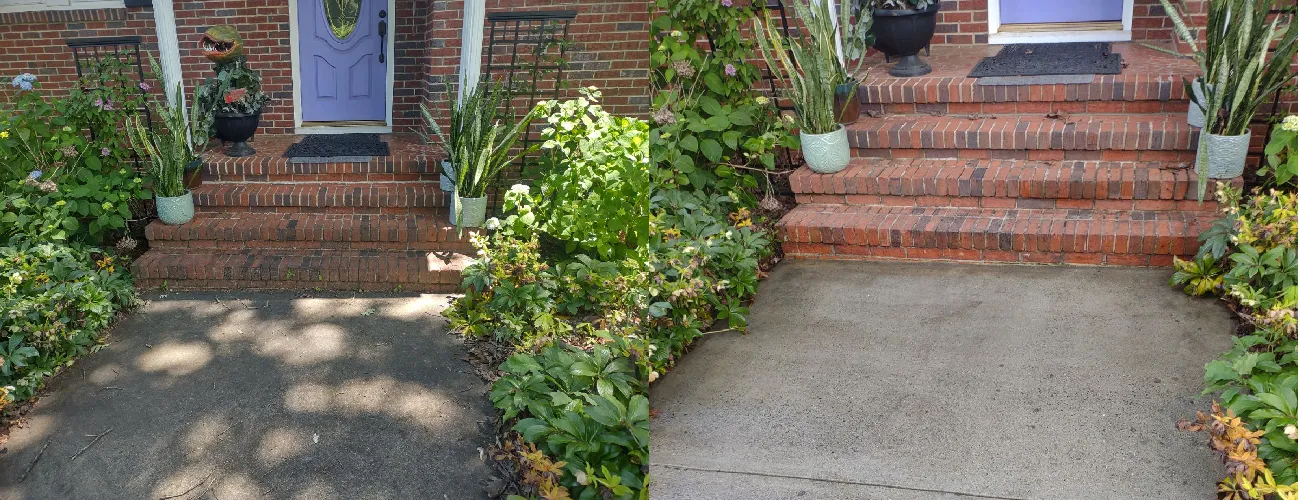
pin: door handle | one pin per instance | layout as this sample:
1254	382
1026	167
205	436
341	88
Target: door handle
383	34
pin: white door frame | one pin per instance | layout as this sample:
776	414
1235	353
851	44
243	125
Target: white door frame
296	68
997	38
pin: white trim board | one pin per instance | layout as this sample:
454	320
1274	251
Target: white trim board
296	69
996	37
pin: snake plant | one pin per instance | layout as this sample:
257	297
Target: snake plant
182	140
1240	71
811	65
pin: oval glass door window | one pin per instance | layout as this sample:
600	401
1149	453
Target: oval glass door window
342	16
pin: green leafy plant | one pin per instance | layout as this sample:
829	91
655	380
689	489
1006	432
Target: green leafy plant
1279	171
592	178
62	162
587	409
57	299
1198	276
236	89
810	66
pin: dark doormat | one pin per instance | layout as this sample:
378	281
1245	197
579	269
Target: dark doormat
336	145
1031	59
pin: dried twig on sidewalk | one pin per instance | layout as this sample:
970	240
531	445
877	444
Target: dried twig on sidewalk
186	492
92	443
34	460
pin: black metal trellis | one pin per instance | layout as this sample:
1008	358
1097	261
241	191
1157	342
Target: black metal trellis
91	52
522	48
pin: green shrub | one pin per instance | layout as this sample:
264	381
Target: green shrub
591	179
587	409
63	162
56	300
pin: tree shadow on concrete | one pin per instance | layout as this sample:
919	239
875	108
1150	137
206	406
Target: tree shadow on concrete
261	395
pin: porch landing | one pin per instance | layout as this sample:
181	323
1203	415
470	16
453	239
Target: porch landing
264	222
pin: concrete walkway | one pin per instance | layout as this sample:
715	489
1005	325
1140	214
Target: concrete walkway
920	381
261	396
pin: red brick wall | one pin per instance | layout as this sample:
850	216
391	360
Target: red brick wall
966	22
610	48
36	42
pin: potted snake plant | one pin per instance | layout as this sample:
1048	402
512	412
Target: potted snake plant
1215	41
179	143
856	37
812	67
1245	74
481	149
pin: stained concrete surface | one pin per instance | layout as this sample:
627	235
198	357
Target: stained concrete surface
261	395
923	380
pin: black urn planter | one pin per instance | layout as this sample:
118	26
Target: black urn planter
847	105
193	174
903	33
237	128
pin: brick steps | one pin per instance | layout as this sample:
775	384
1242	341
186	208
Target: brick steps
1142	238
1004	184
286	269
239	231
1028	108
1024	134
264	169
321	197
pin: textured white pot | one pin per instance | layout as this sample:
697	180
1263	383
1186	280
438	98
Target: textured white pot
475	210
1226	155
1195	116
826	153
175	209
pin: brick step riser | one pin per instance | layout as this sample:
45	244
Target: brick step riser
1003	202
817	251
964	90
960	109
326	270
1187	157
422	246
1027	234
222	284
995	135
439	211
325	177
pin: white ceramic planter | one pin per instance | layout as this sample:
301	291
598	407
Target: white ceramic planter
1225	155
475	211
444	179
176	209
826	153
1196	116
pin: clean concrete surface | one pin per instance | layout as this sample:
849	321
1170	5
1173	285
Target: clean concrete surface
925	380
261	395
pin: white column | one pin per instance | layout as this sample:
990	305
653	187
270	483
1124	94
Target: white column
471	45
169	51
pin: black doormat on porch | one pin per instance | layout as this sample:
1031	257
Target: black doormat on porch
1032	59
335	145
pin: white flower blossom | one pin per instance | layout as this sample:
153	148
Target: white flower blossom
1291	123
520	189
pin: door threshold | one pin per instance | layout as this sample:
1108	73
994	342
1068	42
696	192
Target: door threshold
1061	27
1004	37
376	127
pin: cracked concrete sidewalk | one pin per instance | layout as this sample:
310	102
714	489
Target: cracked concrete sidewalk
874	380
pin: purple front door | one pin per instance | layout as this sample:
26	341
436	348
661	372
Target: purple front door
344	74
1059	11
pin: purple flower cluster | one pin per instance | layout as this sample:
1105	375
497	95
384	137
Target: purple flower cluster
726	3
24	81
104	105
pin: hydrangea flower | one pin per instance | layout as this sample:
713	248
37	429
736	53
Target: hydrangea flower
35	174
1291	123
144	86
731	70
519	189
726	3
24	81
761	100
104	152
